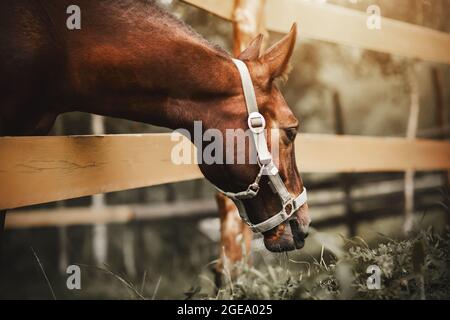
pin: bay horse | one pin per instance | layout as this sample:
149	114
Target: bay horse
133	60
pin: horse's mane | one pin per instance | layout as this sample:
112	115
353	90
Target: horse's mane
170	19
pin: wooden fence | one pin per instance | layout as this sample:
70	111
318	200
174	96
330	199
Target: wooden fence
37	170
44	169
344	26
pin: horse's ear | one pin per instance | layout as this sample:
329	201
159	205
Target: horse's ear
253	49
277	57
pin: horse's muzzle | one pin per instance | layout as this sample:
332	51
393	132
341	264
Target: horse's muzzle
291	234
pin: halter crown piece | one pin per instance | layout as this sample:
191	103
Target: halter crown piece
257	124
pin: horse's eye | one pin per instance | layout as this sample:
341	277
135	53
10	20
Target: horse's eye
291	133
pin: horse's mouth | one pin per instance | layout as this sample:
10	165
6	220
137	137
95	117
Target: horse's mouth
288	241
289	236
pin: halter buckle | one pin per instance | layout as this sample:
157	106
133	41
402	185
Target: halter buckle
256	122
254	187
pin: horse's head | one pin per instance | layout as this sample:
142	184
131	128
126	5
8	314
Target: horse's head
278	199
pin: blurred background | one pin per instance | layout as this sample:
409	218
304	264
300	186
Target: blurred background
332	89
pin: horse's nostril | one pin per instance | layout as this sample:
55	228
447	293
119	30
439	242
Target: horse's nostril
306	234
297	233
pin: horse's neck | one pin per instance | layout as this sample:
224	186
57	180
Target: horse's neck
150	69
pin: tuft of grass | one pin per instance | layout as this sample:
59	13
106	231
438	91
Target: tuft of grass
41	266
414	268
134	292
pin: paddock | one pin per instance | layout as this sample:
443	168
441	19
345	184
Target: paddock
402	172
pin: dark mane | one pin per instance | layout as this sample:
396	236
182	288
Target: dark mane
169	18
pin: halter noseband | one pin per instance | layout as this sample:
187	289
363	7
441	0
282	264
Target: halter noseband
257	124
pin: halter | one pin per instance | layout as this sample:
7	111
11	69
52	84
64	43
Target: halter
257	124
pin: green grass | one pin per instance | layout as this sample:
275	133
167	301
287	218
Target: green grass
414	268
331	267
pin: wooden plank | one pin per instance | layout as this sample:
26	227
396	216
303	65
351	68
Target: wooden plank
248	22
221	8
68	217
328	153
100	232
182	209
344	26
57	217
235	235
345	179
411	134
43	169
441	120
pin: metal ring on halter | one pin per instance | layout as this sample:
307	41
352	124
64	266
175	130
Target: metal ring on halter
284	214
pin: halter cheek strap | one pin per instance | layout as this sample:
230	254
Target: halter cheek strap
257	124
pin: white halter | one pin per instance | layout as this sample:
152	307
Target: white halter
257	124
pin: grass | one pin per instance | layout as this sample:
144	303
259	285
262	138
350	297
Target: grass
417	267
413	268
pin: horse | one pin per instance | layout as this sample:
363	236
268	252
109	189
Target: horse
133	60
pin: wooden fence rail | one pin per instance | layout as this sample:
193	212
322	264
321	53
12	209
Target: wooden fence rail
390	192
38	218
37	170
344	26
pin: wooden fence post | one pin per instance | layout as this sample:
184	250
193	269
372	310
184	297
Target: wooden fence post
129	251
344	178
411	133
441	121
100	232
63	260
248	22
2	234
